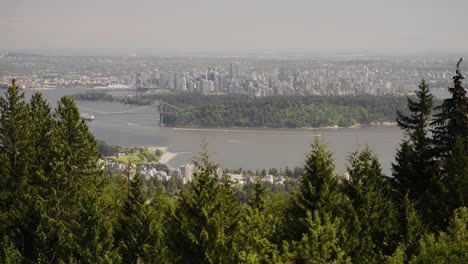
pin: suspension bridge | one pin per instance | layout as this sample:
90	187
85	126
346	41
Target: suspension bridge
160	109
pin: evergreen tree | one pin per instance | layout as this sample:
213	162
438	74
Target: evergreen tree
74	225
253	239
446	247
411	231
202	226
451	121
321	243
414	168
137	233
17	217
404	170
450	133
318	190
257	200
369	192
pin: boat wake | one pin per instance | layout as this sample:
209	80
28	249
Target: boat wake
240	142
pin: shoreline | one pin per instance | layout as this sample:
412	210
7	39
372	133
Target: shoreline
259	129
167	156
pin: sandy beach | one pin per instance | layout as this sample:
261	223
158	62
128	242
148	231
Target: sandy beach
167	156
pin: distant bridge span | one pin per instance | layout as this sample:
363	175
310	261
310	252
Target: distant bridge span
135	111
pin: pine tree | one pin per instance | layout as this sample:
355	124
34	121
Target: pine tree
137	233
404	170
253	239
411	231
414	168
202	226
450	134
369	192
16	200
257	201
321	243
74	225
451	121
318	190
446	247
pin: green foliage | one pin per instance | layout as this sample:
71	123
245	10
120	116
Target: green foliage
253	239
369	192
106	149
318	190
321	243
205	218
451	122
274	111
446	247
9	254
414	168
138	235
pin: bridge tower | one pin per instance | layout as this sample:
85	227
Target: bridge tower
161	117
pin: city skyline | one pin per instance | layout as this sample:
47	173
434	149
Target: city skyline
239	26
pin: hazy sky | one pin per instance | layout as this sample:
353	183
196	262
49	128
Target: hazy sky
186	25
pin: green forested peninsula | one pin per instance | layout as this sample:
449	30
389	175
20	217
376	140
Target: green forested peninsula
276	111
58	206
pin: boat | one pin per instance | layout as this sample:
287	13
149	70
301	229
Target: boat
87	116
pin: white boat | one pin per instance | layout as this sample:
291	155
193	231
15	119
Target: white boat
87	116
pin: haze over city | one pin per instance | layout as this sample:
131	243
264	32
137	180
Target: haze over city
118	26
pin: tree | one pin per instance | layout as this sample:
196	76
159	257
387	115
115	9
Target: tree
73	224
253	239
322	241
411	231
18	216
451	121
450	134
414	168
446	247
369	192
318	190
137	234
203	223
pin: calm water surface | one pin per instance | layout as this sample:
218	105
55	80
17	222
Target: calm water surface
231	148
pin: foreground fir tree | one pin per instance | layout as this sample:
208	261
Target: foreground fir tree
451	121
322	243
413	171
137	234
369	192
19	215
450	135
203	224
74	225
318	190
411	231
253	239
446	247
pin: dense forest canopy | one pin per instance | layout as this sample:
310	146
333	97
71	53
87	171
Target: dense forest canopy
275	111
58	206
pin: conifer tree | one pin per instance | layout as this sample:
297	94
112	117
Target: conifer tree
74	225
411	231
369	192
403	170
16	195
137	233
202	226
322	241
253	239
451	121
450	133
318	190
413	171
446	247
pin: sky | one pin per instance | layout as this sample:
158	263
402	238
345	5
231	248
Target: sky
234	25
